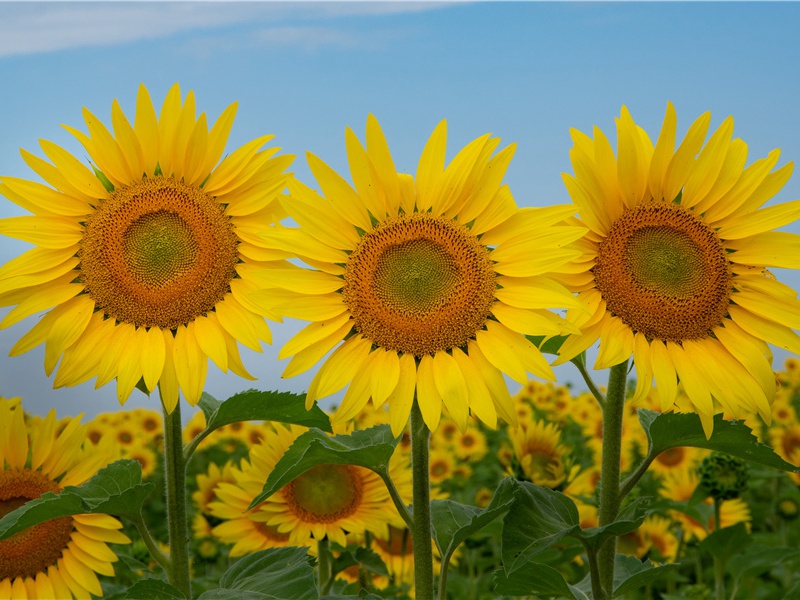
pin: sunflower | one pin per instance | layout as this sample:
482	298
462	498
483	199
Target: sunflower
540	453
430	282
327	500
680	486
674	270
152	254
59	558
681	457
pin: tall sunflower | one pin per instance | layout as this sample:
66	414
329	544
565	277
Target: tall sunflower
674	270
152	254
430	281
58	558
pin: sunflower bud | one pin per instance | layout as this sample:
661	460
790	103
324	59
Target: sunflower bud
724	477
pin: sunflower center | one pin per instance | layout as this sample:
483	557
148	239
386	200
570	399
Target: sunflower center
418	284
664	272
158	253
32	550
325	493
671	457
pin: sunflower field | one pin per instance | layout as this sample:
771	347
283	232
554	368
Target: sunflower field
453	464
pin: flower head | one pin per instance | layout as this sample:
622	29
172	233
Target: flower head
151	255
59	558
422	286
675	264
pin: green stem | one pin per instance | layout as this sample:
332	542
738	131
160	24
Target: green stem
324	566
719	564
421	519
147	537
580	362
632	479
177	519
610	498
395	496
594	572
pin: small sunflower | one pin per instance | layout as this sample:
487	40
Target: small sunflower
327	500
59	558
153	254
540	453
674	271
430	281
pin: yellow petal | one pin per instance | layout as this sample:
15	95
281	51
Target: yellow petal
682	161
402	397
495	383
743	225
312	334
662	154
153	355
664	372
428	397
48	232
312	353
386	374
168	386
385	172
452	387
616	343
764	328
644	370
430	168
224	176
631	161
708	164
339	369
67	328
41	199
479	398
191	365
211	341
695	383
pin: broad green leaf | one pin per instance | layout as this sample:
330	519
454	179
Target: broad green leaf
537	519
672	430
273	574
548	345
724	543
255	405
362	595
370	560
630	574
453	522
153	589
116	490
757	559
535	579
370	448
629	519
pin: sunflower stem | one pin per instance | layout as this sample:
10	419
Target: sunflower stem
398	501
177	520
610	498
421	520
324	566
719	564
580	362
150	542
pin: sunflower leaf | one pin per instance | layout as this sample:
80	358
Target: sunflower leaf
535	579
727	542
370	448
629	519
116	490
255	405
273	574
153	589
630	574
548	345
538	518
672	430
453	522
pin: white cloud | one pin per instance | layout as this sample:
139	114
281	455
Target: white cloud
40	27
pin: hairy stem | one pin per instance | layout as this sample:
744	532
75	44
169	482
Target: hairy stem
177	519
610	498
421	516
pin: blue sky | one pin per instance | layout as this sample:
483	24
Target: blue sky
303	71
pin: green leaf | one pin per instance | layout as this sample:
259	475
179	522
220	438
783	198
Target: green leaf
453	522
536	520
116	490
153	589
273	574
630	574
629	519
535	579
548	345
724	543
362	595
255	405
365	557
757	559
370	448
672	430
